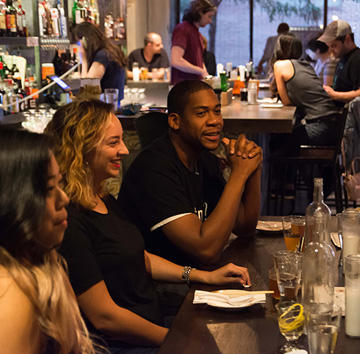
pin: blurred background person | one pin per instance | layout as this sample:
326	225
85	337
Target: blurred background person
187	55
209	58
297	84
39	313
152	56
283	28
325	62
101	58
111	273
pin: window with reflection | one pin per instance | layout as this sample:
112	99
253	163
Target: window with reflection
229	34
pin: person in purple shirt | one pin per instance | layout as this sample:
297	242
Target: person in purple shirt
187	62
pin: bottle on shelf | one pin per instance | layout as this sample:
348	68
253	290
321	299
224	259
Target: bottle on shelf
49	25
21	12
95	13
317	207
3	31
42	19
54	12
33	89
109	26
62	20
79	12
119	29
11	19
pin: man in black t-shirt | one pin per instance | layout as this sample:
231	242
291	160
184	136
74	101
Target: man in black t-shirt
174	190
152	56
340	39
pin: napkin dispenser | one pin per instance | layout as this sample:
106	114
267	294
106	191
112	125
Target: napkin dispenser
226	97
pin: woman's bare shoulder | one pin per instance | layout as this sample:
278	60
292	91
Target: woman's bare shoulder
19	330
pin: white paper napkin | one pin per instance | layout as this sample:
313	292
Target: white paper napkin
203	297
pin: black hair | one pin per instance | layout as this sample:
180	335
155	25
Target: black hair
315	45
24	166
96	40
342	38
178	97
196	9
283	28
288	46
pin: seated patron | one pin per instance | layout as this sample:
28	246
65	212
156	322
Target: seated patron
109	270
38	309
325	62
298	85
101	58
174	190
152	56
340	39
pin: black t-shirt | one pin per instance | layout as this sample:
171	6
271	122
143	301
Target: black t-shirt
110	248
114	76
347	73
158	61
158	188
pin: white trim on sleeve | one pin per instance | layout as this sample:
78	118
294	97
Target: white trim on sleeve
166	221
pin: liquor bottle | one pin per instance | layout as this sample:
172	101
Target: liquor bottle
2	71
2	19
23	18
42	19
119	28
19	20
318	268
11	19
95	13
55	22
62	20
49	25
317	207
79	12
109	26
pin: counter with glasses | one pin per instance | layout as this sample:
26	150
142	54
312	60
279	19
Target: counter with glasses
201	329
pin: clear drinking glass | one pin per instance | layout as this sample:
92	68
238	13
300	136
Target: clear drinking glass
111	96
291	322
322	329
294	231
288	273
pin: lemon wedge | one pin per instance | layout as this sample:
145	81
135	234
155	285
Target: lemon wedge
292	318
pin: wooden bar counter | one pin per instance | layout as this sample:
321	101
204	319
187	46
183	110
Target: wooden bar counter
199	329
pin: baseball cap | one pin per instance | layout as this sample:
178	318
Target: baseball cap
335	30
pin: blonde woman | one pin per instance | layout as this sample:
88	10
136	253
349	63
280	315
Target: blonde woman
109	270
38	309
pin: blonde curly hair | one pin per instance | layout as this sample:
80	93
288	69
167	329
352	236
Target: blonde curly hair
76	129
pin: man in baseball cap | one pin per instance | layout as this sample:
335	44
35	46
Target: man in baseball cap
340	39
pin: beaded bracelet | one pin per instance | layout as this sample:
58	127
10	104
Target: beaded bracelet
186	275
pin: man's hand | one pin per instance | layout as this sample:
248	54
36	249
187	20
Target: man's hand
243	155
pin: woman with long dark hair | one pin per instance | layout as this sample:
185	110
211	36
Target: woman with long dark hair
39	313
101	58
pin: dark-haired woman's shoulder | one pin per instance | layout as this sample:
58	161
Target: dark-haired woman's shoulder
18	325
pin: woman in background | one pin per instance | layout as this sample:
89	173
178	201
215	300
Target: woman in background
297	84
101	58
325	63
111	273
38	309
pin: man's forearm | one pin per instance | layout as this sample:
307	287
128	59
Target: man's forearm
249	209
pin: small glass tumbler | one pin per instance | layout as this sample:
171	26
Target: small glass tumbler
111	96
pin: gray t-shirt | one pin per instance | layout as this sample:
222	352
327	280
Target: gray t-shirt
305	91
